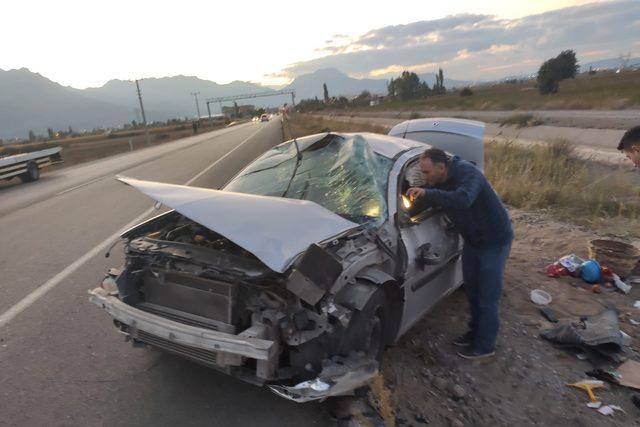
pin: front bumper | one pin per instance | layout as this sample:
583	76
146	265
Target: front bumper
224	350
216	348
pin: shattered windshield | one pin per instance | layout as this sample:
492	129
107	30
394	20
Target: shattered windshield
341	174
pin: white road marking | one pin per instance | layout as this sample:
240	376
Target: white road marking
100	178
41	290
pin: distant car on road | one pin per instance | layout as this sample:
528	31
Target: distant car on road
264	118
300	271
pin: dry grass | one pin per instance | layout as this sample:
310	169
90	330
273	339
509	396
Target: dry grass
604	90
545	177
520	121
551	177
303	124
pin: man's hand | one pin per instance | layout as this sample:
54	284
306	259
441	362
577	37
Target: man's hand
415	192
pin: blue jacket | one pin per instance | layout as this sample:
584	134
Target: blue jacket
472	205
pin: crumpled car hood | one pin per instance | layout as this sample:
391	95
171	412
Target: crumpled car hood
274	229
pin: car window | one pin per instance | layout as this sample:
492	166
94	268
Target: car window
341	174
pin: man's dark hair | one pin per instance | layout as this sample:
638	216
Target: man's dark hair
436	155
630	139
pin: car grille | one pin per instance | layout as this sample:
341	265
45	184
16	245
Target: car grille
206	357
186	318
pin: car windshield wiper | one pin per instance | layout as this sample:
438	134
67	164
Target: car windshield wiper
295	169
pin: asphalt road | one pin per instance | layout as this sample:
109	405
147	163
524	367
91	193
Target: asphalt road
61	360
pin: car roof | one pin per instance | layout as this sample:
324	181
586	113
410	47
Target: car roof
384	145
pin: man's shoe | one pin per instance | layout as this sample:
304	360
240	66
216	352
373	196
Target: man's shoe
464	340
472	354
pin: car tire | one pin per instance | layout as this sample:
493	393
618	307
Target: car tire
32	173
366	331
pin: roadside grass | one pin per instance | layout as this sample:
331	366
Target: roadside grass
543	177
304	124
551	177
604	90
520	121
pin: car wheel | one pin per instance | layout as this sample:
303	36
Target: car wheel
366	331
32	173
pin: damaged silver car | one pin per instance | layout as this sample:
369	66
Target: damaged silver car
301	269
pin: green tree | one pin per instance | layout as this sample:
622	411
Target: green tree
406	87
341	102
554	70
326	93
424	90
50	133
438	86
310	105
362	100
32	136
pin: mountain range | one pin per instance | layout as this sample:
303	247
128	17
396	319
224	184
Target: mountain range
30	101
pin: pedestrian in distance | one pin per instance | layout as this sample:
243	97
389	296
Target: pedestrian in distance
467	198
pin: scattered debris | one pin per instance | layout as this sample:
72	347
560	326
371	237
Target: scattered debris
572	263
540	297
594	405
610	409
588	386
591	272
634	322
549	314
621	285
598	336
629	373
622	257
636	304
636	400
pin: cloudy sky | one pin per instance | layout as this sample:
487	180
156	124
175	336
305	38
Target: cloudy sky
85	43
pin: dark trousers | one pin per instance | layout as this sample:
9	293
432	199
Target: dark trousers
482	270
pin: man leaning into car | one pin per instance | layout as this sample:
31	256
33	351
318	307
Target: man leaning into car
465	195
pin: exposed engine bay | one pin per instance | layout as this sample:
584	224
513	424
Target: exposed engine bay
182	271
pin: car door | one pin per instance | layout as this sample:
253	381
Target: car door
433	250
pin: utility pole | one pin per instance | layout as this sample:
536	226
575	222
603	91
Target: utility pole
144	118
209	110
195	94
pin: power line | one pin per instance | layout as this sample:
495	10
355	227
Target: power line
222	99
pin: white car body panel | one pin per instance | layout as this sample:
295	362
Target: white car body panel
274	229
461	137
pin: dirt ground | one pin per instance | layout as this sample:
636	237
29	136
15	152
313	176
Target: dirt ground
425	382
